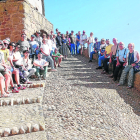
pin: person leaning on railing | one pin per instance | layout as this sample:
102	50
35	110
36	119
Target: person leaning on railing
131	60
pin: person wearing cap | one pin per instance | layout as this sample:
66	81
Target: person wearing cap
59	42
38	38
72	41
41	66
96	47
90	41
26	66
83	40
34	46
57	57
24	44
46	50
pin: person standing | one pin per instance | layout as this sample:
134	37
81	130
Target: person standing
38	38
90	42
24	44
34	47
64	46
59	42
78	41
83	40
72	41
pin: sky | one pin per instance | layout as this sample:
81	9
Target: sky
105	18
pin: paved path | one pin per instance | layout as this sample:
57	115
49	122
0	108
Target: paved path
81	104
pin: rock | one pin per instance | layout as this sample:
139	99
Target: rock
19	101
35	128
41	128
39	99
22	130
27	101
6	132
34	100
28	128
1	132
14	131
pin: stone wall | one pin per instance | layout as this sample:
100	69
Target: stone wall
18	15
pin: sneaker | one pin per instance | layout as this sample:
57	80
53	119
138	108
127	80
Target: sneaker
21	87
53	69
98	68
90	61
15	90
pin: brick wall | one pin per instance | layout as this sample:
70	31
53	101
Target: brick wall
16	15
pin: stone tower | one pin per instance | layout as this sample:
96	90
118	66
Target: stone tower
19	15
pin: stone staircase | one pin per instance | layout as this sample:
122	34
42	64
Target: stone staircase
21	116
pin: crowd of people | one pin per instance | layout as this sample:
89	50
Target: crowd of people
20	60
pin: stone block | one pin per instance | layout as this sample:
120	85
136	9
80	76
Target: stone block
6	132
27	101
41	127
29	127
35	128
85	52
22	130
95	57
14	131
1	132
39	99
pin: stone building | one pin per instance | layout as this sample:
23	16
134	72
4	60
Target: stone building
19	15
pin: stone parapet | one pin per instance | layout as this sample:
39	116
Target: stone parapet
16	16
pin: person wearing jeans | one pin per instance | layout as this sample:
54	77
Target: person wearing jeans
96	47
72	40
45	49
78	41
90	42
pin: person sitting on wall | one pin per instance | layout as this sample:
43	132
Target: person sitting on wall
41	66
121	57
102	51
24	44
26	66
131	60
112	58
45	49
96	47
57	57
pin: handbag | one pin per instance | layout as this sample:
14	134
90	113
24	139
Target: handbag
137	67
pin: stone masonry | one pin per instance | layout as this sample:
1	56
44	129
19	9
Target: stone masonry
18	15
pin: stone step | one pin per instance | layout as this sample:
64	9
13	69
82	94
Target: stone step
21	119
27	96
40	135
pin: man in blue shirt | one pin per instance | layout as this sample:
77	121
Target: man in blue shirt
78	41
96	47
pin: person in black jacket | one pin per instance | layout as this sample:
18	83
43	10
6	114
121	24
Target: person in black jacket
59	42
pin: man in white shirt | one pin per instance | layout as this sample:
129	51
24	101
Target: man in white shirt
90	42
45	49
38	38
41	66
83	40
